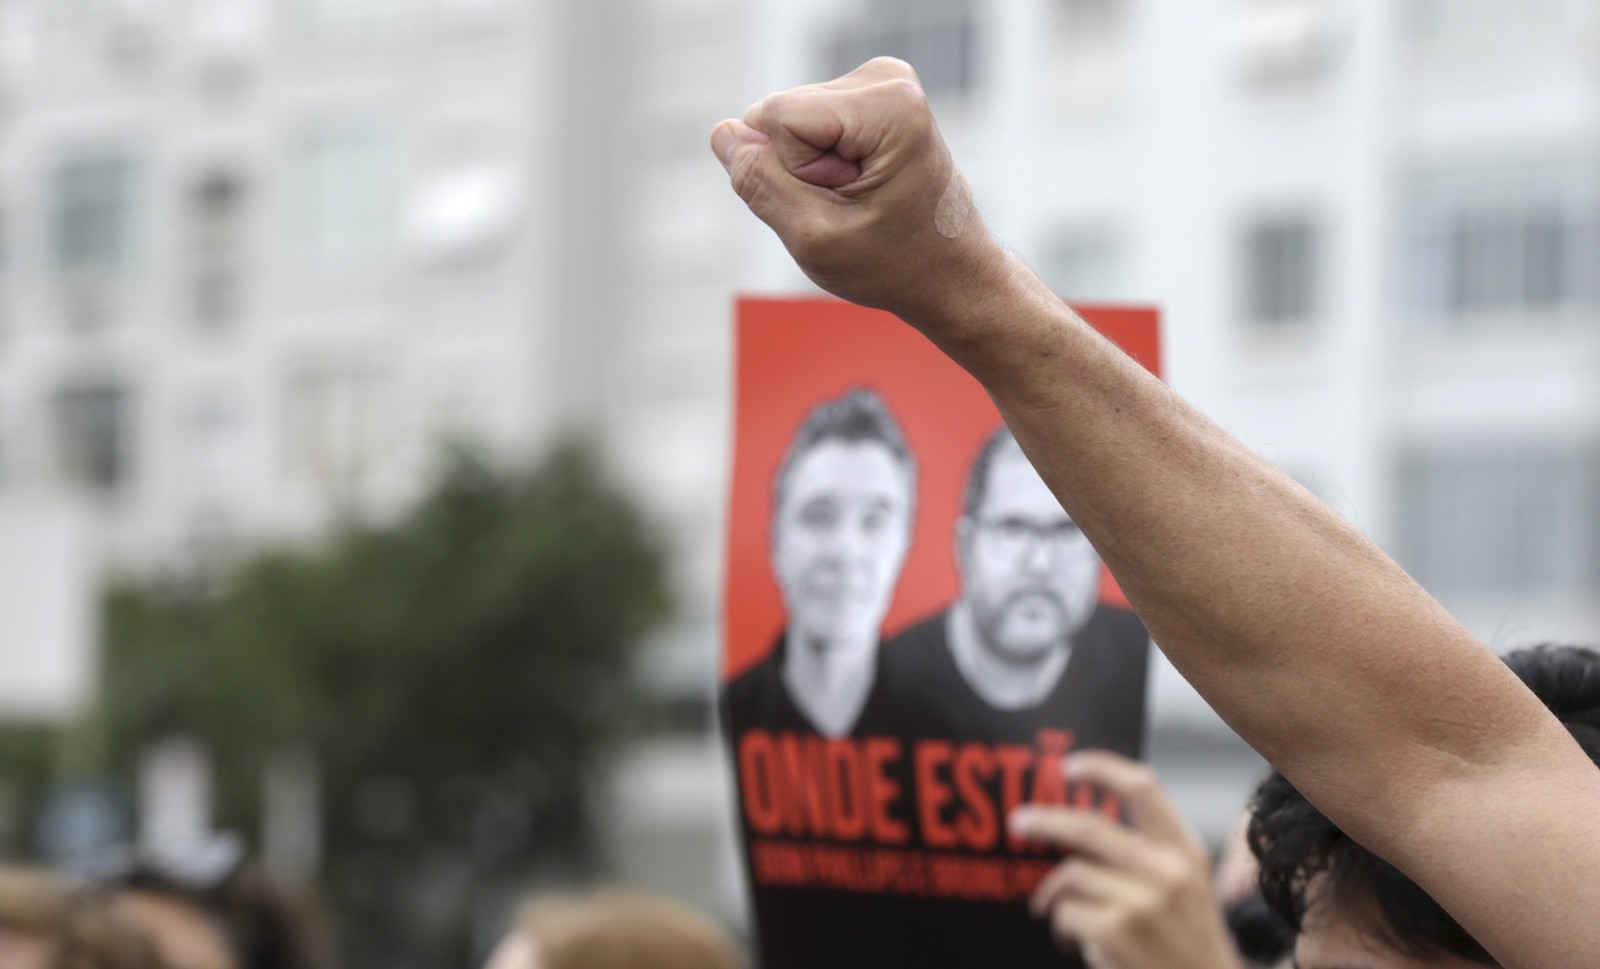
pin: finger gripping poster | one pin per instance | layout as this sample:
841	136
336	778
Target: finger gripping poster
916	633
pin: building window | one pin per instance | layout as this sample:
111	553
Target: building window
471	15
93	213
1515	520
93	435
1090	24
1501	247
218	203
937	37
1083	266
1508	260
215	451
345	19
1288	41
1280	270
1450	22
336	424
347	195
1091	38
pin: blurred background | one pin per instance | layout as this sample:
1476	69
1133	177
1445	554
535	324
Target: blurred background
364	384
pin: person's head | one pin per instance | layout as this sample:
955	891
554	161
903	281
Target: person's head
225	916
1261	938
1028	574
841	526
97	936
183	929
1351	907
614	931
34	907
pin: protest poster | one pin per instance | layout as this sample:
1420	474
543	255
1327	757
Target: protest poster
915	634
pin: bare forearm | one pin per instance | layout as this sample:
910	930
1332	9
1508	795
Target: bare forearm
1271	605
1308	640
1409	734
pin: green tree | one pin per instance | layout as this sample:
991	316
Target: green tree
458	677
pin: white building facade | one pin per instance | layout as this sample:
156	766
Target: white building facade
261	257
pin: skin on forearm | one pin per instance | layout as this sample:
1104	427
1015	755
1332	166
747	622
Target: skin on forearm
1303	635
1242	576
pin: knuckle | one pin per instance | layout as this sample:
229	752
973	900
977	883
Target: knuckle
1067	875
893	66
811	241
1137	917
1120	923
1170	872
756	113
907	93
771	109
1062	922
1141	779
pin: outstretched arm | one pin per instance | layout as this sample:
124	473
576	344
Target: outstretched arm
1305	637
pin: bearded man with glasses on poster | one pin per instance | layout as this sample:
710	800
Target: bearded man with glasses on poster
1028	645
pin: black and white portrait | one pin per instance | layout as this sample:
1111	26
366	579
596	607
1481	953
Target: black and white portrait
1027	644
844	497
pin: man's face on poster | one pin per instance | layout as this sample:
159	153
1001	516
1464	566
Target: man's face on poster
1029	575
839	538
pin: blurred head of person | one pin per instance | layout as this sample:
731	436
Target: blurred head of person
841	526
1029	576
1261	938
96	936
614	930
1352	908
34	908
216	910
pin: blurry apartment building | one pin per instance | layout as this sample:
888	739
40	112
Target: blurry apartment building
259	258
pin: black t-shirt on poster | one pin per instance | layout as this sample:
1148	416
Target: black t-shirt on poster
920	694
1099	699
1099	696
802	927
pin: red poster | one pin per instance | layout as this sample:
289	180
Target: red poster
915	634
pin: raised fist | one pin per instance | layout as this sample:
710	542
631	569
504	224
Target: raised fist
854	178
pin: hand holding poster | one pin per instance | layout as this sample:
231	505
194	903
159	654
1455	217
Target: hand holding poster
916	635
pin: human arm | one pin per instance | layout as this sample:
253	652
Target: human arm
1305	637
1135	897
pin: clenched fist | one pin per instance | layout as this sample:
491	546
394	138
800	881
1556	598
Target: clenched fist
856	181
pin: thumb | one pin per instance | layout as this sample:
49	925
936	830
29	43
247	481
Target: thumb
757	173
729	136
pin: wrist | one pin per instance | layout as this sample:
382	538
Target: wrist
993	316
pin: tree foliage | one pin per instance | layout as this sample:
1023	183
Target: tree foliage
458	678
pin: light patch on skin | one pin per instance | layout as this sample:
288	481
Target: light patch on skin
1096	957
954	210
186	935
19	951
516	951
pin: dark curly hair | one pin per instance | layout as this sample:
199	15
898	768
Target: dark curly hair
1294	843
